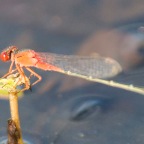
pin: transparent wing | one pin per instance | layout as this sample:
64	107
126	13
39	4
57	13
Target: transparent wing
90	68
83	66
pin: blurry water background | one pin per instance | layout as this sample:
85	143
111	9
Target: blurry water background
67	110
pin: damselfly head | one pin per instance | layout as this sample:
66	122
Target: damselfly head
6	53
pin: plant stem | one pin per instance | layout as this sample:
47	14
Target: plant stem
8	87
13	99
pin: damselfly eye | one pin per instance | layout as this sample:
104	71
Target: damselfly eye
4	56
